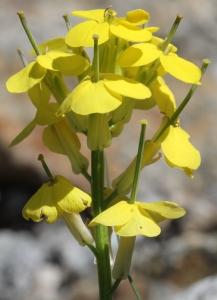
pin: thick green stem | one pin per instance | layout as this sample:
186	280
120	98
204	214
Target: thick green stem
101	231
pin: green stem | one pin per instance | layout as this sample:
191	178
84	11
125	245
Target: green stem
138	162
96	58
93	250
66	18
47	171
107	179
172	32
28	32
176	114
101	231
134	287
114	287
86	175
22	57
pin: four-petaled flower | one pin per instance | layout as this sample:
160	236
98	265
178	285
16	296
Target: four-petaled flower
103	96
145	53
103	23
60	199
130	220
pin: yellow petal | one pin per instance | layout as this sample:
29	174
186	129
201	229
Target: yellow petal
169	210
26	78
42	205
23	134
73	200
95	14
82	34
188	172
51	141
145	104
163	97
138	55
57	44
152	29
130	32
68	64
126	86
140	223
88	98
180	68
62	134
178	150
118	214
39	95
137	17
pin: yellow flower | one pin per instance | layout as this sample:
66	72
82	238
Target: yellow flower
68	64
130	220
103	22
144	54
60	199
139	218
177	149
103	96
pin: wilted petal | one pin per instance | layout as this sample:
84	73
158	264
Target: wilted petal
42	205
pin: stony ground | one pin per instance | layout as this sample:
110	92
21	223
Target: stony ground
182	262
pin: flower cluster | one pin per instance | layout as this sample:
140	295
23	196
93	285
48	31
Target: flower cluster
126	74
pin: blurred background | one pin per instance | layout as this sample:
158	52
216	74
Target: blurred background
43	262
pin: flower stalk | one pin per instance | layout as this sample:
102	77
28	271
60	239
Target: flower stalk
138	162
101	233
28	32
